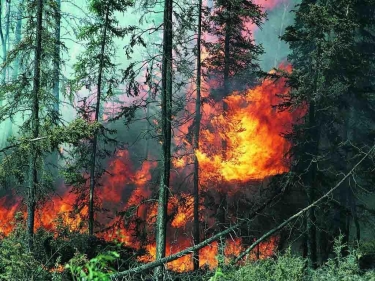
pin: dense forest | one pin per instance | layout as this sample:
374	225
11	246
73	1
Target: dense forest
187	140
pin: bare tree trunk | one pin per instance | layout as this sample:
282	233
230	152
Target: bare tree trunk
311	189
226	76
224	144
3	44
54	156
7	28
347	198
35	123
8	124
56	59
197	122
281	31
95	139
17	40
166	107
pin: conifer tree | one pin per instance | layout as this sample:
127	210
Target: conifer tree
96	67
28	94
29	100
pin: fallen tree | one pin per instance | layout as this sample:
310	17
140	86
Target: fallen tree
208	241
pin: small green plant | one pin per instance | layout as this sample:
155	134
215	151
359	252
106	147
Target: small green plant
342	268
219	275
284	267
96	269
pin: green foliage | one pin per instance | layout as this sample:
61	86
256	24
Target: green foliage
289	267
16	262
285	267
342	268
228	23
367	247
54	250
219	275
96	269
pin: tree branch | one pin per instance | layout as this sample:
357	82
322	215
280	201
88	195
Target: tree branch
18	144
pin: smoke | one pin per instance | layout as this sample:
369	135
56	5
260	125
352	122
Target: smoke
279	17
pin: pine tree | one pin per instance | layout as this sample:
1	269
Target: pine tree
96	67
28	96
233	55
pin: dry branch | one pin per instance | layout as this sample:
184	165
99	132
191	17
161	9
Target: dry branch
18	144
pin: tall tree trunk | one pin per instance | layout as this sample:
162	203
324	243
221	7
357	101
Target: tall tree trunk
311	187
3	43
95	139
347	198
17	40
7	28
149	94
197	122
53	158
166	108
226	75
224	144
16	65
56	59
33	167
281	31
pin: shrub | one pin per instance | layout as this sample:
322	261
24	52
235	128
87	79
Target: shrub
96	269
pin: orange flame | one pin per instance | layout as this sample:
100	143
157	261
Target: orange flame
252	129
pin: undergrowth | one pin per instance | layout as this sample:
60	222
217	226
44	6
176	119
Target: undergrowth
72	260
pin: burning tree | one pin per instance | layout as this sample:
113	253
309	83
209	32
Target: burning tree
29	102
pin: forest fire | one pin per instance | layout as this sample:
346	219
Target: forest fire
138	137
256	150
